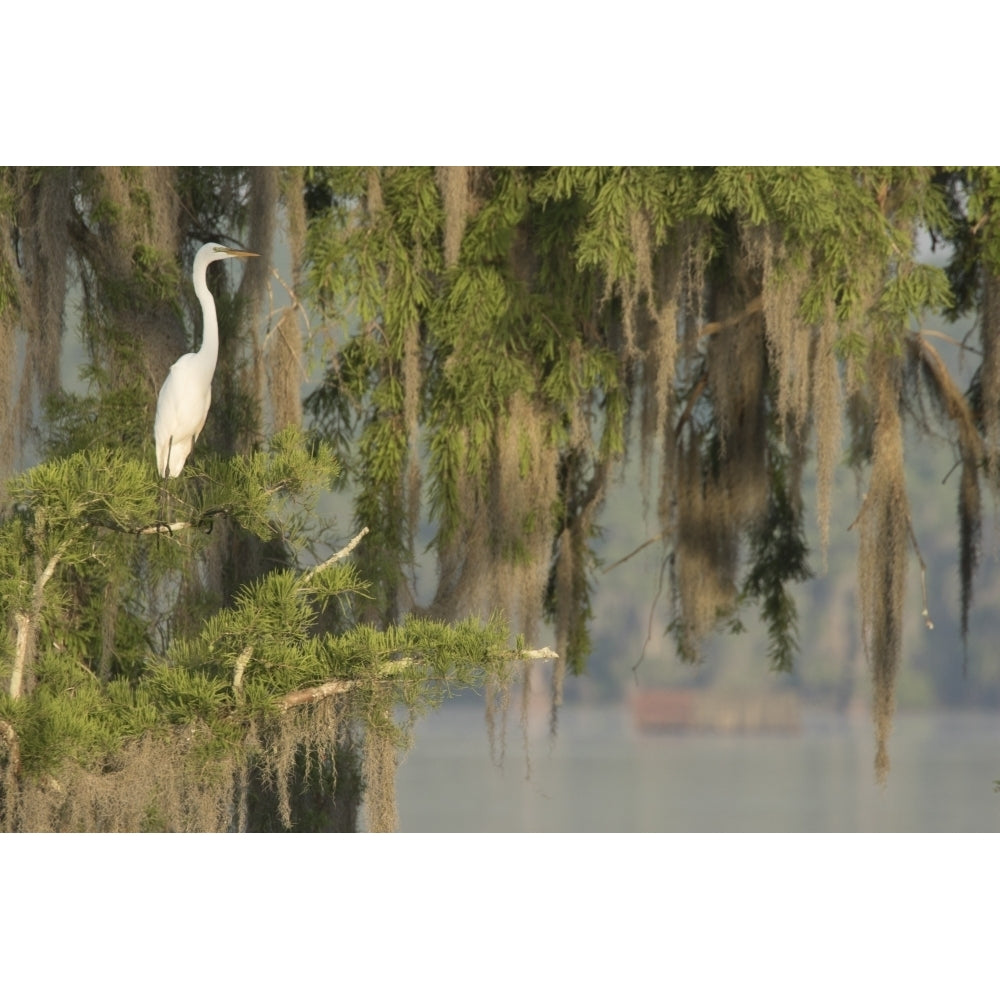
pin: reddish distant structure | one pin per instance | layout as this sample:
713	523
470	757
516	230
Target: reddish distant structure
702	709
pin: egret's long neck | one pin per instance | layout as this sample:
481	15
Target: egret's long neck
209	349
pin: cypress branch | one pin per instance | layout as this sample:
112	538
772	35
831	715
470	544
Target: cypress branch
390	671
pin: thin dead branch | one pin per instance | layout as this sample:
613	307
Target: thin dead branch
336	557
925	614
633	553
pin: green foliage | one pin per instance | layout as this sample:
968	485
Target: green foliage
77	520
102	488
777	556
971	228
112	417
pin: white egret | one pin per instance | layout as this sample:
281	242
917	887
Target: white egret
186	395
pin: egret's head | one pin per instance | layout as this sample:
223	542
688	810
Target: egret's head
216	251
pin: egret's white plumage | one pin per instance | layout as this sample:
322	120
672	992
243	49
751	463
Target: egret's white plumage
186	395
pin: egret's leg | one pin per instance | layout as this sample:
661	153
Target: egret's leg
164	492
166	465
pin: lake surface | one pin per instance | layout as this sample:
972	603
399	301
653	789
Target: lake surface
601	775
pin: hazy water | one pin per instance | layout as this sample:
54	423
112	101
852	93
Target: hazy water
602	775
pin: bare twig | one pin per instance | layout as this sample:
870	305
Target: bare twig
652	612
634	552
925	614
296	306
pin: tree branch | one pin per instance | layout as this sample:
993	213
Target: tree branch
26	624
326	690
947	338
755	305
318	693
336	557
634	552
697	389
9	736
545	653
241	664
160	529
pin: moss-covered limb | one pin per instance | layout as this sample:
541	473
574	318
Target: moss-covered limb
425	662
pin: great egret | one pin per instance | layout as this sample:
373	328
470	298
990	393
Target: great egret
186	395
